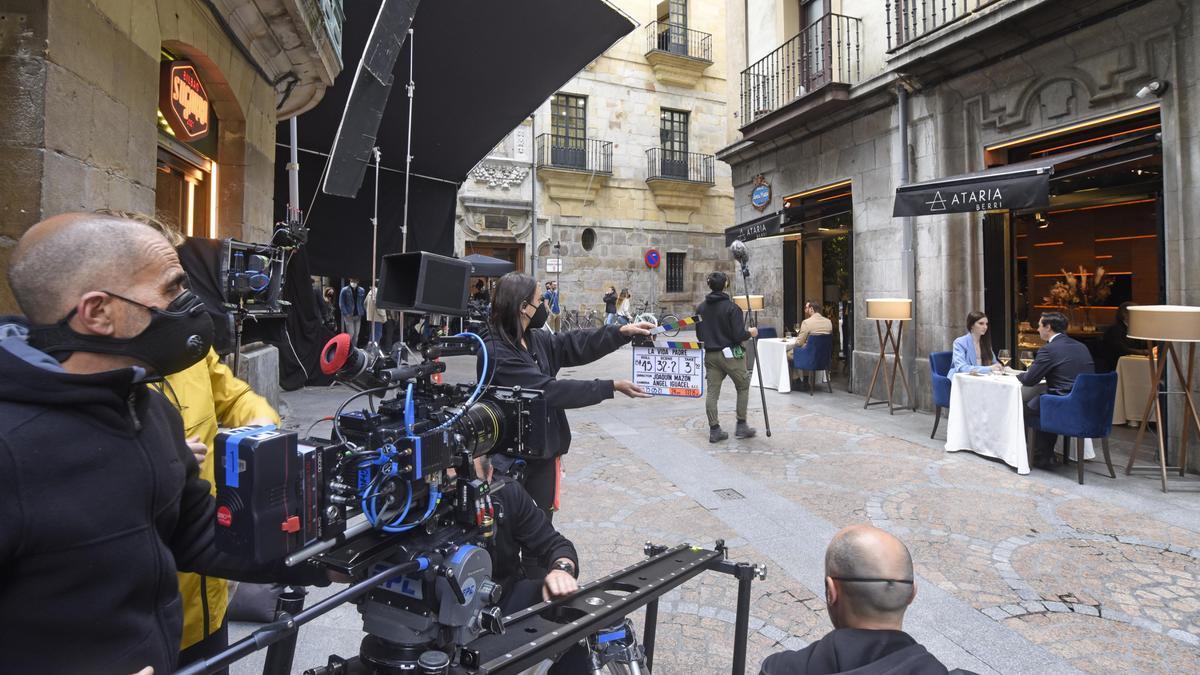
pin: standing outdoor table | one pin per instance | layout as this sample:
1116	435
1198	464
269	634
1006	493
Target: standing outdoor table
1133	388
987	417
772	358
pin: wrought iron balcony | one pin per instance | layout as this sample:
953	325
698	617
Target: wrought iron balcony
672	38
829	51
580	154
691	167
908	20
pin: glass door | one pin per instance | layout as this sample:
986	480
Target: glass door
568	131
674	134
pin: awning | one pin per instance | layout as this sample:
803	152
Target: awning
1023	185
763	226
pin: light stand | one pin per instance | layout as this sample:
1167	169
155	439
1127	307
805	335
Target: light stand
889	312
743	258
1166	324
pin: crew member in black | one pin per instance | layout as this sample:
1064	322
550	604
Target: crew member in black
520	355
723	330
523	529
101	500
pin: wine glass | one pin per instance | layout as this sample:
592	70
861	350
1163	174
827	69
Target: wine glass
1004	357
1026	358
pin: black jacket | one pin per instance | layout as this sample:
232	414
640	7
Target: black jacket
537	367
857	651
610	303
521	525
101	503
721	322
1058	361
1114	345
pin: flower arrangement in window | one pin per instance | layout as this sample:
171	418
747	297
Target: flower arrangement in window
1082	288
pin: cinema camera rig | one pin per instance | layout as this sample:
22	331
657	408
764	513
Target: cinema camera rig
392	500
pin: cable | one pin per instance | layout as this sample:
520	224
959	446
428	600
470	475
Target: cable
314	424
336	427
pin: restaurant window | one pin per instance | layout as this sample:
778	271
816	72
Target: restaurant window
1097	245
568	128
675	272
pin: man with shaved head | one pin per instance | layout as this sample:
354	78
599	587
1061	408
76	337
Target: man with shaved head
868	585
101	501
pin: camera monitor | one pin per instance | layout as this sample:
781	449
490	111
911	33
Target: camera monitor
424	282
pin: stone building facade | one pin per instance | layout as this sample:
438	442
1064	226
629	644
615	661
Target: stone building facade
1001	74
81	127
612	182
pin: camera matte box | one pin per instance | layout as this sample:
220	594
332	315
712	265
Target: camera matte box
424	282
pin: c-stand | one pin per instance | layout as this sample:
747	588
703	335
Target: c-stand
742	256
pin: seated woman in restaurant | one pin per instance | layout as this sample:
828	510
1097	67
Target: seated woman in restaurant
973	351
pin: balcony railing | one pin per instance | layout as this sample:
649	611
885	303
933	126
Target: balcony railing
908	20
673	38
693	167
828	51
581	154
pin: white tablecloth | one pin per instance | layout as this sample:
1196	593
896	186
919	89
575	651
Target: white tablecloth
987	417
1133	387
772	358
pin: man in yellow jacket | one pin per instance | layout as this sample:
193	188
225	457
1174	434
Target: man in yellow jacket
209	396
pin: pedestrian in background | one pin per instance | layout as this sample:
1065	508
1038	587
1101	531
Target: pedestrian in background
623	311
722	329
352	302
610	306
551	298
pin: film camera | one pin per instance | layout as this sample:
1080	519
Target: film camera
395	484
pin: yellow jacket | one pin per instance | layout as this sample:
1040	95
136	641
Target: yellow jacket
207	395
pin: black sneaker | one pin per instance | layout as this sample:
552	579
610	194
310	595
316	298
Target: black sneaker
715	434
743	430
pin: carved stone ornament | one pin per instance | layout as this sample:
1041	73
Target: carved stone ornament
500	176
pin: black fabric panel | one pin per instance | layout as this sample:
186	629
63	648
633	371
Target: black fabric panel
201	259
300	344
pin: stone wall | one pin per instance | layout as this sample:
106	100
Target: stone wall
623	106
78	128
1084	75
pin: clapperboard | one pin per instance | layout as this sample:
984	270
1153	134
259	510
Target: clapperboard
672	368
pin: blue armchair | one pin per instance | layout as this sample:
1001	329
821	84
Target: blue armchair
1086	412
767	332
814	357
939	365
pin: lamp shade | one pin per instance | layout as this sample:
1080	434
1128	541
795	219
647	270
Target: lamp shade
1169	323
889	309
756	302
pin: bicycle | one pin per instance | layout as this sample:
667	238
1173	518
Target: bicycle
574	319
663	318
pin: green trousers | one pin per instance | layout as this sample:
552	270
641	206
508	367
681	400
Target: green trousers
717	368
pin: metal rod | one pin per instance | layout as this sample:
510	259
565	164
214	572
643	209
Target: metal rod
648	633
412	87
741	630
277	630
281	654
754	349
293	168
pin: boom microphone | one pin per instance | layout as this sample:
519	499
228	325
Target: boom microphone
739	251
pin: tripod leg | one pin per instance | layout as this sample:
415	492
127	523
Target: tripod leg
754	352
878	364
1187	394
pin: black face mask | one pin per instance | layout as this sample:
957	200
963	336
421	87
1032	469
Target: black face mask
539	317
176	338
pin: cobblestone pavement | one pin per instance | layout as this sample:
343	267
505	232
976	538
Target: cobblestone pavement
1015	573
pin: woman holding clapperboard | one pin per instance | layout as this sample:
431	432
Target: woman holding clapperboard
520	355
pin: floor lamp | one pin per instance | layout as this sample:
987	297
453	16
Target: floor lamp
1167	325
889	313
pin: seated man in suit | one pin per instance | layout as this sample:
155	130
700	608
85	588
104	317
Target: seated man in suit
1057	362
813	324
868	587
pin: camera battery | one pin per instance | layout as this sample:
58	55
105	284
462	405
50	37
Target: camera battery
266	494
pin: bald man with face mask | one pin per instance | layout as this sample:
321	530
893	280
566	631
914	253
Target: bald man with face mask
102	500
868	586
